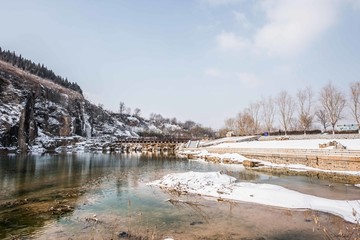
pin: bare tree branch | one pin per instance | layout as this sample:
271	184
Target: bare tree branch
254	112
286	108
322	117
268	111
305	109
355	102
333	102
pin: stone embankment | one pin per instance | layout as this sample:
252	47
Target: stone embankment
124	146
332	164
329	155
325	159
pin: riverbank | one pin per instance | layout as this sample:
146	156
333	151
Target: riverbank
106	196
221	186
337	159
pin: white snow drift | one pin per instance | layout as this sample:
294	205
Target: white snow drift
215	184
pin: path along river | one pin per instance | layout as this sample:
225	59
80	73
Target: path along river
105	196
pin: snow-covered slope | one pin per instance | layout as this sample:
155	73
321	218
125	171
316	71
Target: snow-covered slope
35	111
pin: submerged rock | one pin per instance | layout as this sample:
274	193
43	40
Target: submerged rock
123	235
196	223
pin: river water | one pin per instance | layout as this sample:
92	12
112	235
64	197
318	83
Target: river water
105	196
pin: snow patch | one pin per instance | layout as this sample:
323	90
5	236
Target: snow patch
222	186
352	144
132	119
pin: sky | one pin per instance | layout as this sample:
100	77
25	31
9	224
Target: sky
200	60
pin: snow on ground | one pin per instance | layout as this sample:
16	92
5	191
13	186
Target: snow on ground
217	185
302	168
153	128
232	156
171	127
235	157
132	119
352	144
9	115
227	140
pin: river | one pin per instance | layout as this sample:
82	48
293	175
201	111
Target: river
105	196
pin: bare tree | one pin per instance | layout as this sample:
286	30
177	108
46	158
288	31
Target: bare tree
321	116
333	102
245	123
173	120
156	118
127	111
355	102
137	112
230	125
286	108
254	112
189	124
268	111
122	108
305	109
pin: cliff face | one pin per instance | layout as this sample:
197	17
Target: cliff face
32	107
38	114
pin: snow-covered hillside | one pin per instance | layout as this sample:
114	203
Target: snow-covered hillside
35	112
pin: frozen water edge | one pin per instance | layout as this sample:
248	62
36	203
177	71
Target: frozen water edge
222	186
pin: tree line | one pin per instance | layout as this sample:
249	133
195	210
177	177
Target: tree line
37	69
173	127
297	113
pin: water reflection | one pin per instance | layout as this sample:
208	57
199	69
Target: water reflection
113	186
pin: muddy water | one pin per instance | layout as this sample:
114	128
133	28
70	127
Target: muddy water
105	196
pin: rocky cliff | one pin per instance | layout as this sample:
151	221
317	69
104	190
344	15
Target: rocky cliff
34	110
40	110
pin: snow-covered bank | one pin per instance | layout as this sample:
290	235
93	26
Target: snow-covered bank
237	158
350	144
234	157
340	156
221	186
303	168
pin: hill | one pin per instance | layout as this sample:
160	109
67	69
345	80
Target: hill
37	112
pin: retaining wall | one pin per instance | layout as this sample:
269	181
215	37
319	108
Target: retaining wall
327	159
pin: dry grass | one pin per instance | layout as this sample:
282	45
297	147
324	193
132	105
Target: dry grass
26	76
342	231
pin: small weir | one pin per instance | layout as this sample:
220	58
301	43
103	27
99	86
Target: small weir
144	144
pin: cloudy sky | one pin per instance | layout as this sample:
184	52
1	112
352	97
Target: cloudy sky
203	60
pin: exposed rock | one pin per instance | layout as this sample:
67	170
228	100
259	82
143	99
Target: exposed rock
334	144
123	235
33	109
249	163
36	113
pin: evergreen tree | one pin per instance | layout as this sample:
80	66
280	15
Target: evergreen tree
37	69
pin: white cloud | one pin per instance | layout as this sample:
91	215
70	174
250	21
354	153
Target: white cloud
221	2
213	72
229	41
293	25
290	27
242	19
249	79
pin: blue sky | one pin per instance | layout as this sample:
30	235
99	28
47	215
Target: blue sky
203	60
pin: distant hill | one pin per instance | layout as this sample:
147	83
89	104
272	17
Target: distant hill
37	107
37	69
